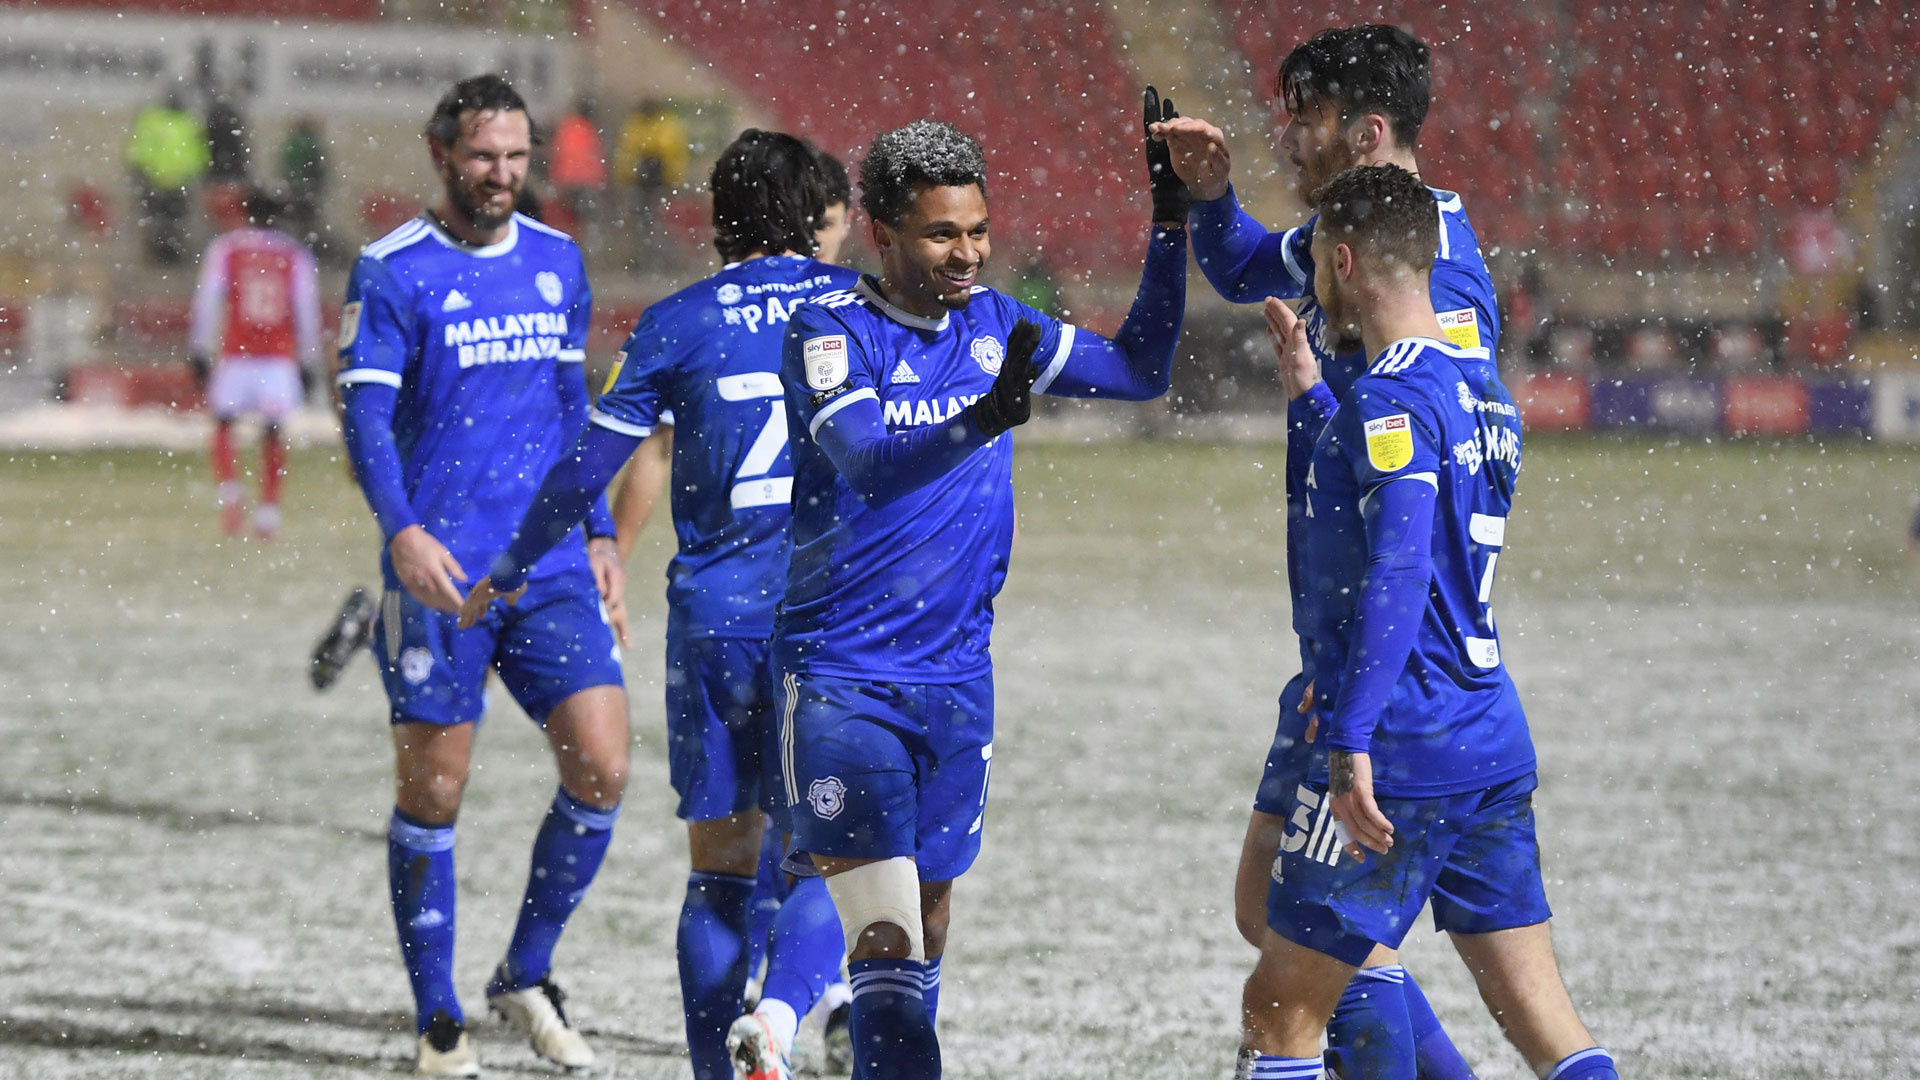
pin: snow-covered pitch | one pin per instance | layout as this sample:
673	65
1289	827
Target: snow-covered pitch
1716	644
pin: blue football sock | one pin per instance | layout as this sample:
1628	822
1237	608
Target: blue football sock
930	989
1369	1035
892	1034
1269	1067
1590	1064
566	855
1433	1050
769	892
806	947
421	885
712	947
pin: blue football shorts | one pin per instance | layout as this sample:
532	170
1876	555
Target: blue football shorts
1474	856
879	770
550	646
1290	755
720	730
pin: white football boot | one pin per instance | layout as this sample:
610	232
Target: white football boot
539	1012
755	1050
445	1050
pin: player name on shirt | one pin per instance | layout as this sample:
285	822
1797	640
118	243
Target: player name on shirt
736	309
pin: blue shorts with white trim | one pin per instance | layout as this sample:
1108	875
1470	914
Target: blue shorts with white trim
1474	856
879	770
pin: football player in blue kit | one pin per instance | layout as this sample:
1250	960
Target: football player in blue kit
1354	96
1420	784
460	366
901	393
709	357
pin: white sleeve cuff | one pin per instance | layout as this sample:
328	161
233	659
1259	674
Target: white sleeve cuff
1058	362
615	424
367	375
865	393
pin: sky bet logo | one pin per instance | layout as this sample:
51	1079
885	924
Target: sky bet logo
506	339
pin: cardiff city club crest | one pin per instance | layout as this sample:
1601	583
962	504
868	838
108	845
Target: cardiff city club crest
548	283
988	353
828	796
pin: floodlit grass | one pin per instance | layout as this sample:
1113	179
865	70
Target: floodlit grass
1716	644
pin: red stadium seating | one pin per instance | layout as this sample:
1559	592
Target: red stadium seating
1045	86
1721	112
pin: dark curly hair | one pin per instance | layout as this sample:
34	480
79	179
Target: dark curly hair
1382	210
768	196
1360	70
924	152
481	93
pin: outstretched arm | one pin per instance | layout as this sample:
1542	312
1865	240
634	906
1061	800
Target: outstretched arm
1242	260
881	466
574	484
1137	363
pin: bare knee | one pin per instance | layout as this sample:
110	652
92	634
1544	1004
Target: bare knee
432	795
599	780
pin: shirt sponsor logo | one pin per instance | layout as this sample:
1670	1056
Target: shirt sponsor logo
500	339
825	361
349	324
548	283
899	414
730	293
828	796
988	353
1390	442
1461	327
1473	404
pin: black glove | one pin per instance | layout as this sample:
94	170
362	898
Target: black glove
306	382
202	368
1010	402
1171	199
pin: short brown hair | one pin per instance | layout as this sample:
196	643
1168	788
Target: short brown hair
1383	210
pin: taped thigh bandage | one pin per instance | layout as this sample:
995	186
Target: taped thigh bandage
885	891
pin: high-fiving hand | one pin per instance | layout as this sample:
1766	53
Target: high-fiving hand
1199	154
1010	402
1299	370
1171	199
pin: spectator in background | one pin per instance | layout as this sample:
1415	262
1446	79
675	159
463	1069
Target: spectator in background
577	166
652	156
303	166
228	155
168	154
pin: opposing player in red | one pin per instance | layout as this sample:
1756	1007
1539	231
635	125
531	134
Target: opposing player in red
256	324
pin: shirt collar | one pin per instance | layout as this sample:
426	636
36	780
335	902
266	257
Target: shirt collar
870	288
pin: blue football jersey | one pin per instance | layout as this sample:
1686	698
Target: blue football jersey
1463	297
902	591
707	360
477	341
1425	412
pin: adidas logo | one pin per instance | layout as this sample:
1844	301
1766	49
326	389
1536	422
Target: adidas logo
455	301
904	374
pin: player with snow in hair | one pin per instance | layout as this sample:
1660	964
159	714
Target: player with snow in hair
901	393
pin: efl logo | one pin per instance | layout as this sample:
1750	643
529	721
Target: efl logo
825	361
